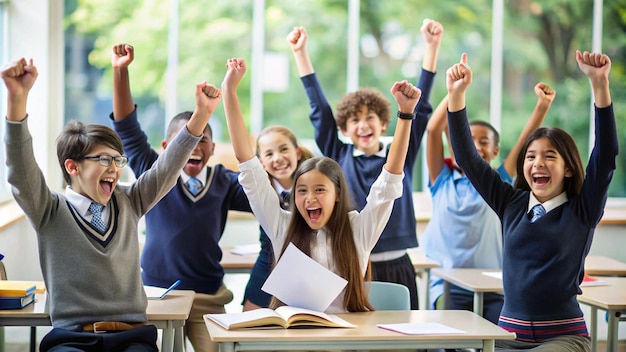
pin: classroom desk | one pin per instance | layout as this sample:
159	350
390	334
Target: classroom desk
611	298
470	279
242	264
478	333
604	266
168	314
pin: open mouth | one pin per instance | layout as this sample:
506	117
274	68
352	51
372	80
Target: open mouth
541	180
106	185
194	160
314	214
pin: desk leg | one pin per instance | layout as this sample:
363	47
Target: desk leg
427	291
478	303
593	329
611	340
167	343
489	345
179	340
227	347
446	294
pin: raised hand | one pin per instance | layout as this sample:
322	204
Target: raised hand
236	68
207	96
19	77
459	77
297	38
593	65
545	94
406	95
122	55
432	31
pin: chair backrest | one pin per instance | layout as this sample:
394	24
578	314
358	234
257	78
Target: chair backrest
389	296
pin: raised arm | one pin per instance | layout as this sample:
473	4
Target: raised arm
207	98
236	68
123	104
458	79
432	31
297	40
545	97
434	142
596	67
18	77
407	96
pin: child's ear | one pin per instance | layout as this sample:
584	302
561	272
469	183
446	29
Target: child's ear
71	167
568	173
344	131
299	153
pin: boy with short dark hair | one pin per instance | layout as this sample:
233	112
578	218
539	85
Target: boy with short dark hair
87	236
183	230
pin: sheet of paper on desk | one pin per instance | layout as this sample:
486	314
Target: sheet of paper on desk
494	274
299	281
245	249
420	328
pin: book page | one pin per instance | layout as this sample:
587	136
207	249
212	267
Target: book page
252	318
299	281
302	317
420	328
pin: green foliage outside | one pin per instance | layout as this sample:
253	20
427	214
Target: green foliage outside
540	38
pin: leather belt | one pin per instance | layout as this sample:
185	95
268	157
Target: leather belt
110	326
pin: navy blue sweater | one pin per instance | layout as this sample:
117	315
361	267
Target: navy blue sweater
362	171
182	233
543	262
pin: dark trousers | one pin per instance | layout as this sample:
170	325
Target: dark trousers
141	339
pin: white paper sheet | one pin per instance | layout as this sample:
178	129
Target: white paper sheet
494	274
245	249
420	328
299	281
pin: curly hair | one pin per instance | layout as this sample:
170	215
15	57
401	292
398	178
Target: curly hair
351	103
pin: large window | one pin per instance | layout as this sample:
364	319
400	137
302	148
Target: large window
390	47
4	188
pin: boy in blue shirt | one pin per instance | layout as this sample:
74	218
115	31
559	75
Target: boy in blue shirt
184	228
363	116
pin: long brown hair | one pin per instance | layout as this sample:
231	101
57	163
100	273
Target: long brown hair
339	230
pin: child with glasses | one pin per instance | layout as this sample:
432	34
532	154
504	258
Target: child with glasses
87	235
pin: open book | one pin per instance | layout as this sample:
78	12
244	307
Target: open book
284	317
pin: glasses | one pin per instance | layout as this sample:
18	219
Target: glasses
106	160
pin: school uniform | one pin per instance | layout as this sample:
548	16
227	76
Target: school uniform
390	262
543	261
367	225
183	230
90	276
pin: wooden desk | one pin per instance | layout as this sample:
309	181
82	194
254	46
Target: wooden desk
472	280
479	333
604	266
611	298
168	314
242	264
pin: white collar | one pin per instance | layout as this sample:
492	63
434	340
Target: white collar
549	204
201	176
78	201
382	152
278	187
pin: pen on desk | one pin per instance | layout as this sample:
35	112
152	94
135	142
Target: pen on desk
173	286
